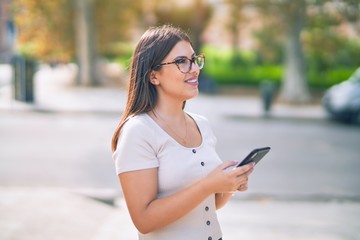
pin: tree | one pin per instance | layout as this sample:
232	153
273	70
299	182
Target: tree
307	25
115	21
294	84
199	12
85	44
290	18
325	34
45	29
235	7
67	30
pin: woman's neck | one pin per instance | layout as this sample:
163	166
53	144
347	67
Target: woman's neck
170	112
169	107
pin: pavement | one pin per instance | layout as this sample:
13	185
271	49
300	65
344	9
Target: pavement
36	213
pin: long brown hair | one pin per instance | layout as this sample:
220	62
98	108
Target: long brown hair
154	45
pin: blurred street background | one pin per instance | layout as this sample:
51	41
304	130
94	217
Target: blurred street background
63	73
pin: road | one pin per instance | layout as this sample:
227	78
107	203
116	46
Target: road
314	159
307	187
308	159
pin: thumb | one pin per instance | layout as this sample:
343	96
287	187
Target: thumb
227	164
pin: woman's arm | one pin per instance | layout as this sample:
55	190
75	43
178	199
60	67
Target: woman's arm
221	199
150	213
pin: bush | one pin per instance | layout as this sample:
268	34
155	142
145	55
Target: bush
241	68
123	53
221	67
243	75
227	68
330	77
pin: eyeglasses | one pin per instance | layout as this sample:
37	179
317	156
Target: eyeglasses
184	64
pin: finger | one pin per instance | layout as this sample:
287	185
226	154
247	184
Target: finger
247	174
243	169
227	164
243	187
243	181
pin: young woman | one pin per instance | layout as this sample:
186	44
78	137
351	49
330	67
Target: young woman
172	179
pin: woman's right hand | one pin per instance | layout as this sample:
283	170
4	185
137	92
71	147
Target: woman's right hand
225	178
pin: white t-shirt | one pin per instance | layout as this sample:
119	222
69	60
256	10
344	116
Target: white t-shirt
144	144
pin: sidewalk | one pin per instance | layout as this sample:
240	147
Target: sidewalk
54	92
53	213
57	94
57	214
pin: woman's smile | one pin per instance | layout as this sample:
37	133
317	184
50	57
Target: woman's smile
192	81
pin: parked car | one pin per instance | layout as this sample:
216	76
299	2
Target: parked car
342	101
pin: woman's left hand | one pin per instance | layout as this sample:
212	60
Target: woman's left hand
244	180
243	187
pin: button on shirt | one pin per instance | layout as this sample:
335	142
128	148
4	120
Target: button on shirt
143	144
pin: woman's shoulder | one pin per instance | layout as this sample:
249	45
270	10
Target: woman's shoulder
203	124
137	123
198	118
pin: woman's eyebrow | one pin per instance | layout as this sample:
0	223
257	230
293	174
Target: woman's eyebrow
179	57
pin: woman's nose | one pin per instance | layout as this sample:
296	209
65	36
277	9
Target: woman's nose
194	67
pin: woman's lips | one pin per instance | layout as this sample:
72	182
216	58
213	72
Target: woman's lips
192	81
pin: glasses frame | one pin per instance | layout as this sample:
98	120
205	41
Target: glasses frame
192	60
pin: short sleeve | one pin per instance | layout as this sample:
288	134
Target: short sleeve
136	147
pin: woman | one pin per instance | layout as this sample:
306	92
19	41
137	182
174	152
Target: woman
172	179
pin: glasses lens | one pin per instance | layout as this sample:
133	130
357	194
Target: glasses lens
183	64
199	60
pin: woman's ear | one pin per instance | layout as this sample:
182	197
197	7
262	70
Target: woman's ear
153	78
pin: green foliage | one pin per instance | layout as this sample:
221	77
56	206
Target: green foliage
124	52
230	75
270	42
331	57
330	77
220	67
327	49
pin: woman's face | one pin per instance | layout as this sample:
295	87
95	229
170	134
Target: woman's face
170	82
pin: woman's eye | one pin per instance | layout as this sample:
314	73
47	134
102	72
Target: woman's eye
180	61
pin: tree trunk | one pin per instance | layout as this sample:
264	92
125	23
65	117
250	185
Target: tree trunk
198	25
85	46
235	20
295	89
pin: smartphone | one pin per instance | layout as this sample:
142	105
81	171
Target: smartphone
254	156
